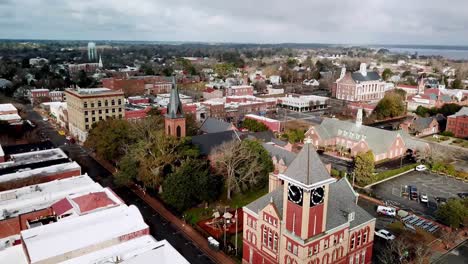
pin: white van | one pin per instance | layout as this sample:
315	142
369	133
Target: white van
387	211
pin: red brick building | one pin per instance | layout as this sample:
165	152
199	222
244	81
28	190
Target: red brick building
239	90
458	123
312	218
138	85
272	124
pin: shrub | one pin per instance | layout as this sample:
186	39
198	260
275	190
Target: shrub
447	134
443	138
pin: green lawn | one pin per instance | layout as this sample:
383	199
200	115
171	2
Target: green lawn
239	200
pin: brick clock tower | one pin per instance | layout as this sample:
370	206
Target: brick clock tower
311	219
174	120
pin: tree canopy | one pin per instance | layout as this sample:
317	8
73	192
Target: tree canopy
190	184
386	74
454	213
364	167
446	110
254	125
390	106
294	135
244	164
109	137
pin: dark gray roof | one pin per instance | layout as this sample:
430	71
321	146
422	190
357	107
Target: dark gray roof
277	196
174	108
213	125
421	123
379	140
462	112
371	76
307	168
208	142
279	153
267	136
341	202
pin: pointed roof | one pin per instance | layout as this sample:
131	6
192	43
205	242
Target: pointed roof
174	108
307	170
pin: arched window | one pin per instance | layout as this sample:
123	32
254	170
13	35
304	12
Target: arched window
351	246
178	131
365	236
326	259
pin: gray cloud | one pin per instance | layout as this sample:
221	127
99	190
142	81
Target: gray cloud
264	21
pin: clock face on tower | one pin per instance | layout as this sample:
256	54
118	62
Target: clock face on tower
317	196
295	194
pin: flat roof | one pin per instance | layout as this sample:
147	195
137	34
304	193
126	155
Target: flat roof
34	157
94	91
13	254
40	196
7	107
143	249
44	171
68	235
10	117
261	118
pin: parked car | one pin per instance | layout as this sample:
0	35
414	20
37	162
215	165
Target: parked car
45	119
413	193
463	195
385	210
420	168
441	200
423	198
385	234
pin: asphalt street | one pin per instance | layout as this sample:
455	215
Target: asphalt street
159	227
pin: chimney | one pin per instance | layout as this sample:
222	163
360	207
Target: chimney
363	69
359	117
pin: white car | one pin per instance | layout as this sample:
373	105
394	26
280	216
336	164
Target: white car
387	211
45	119
385	234
423	198
421	168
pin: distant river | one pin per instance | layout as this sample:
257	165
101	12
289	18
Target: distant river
455	54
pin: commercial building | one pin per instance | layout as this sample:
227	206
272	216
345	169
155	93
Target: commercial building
458	123
360	86
239	90
210	93
38	96
88	106
86	67
8	109
139	85
304	103
28	159
310	218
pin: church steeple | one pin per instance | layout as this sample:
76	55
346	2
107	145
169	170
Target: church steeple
174	120
100	65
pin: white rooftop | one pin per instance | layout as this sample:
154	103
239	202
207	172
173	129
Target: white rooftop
40	90
13	254
261	118
40	196
7	107
143	249
10	117
75	236
44	171
35	157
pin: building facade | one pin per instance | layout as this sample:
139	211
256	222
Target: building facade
239	90
304	103
458	123
312	218
360	86
88	106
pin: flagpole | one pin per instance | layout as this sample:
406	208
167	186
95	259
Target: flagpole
236	231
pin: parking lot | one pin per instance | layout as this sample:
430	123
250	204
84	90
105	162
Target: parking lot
428	183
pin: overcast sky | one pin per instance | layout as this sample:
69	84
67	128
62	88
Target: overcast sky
261	21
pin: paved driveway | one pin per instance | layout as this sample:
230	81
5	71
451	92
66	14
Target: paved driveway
432	184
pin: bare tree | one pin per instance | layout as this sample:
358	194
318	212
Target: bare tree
239	164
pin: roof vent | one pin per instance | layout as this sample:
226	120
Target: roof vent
351	216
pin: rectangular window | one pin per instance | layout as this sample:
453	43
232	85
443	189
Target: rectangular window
295	250
100	111
87	127
85	113
107	111
288	247
325	244
113	110
92	104
93	112
94	119
86	120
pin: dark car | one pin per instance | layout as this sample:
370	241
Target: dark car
413	192
441	200
463	195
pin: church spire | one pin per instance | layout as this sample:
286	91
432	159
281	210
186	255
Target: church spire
100	65
174	108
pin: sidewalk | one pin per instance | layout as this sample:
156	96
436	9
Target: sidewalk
190	233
